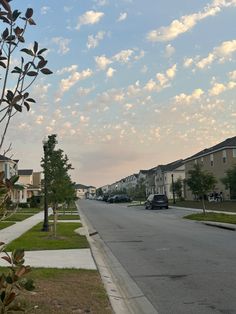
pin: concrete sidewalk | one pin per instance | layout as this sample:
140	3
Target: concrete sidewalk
71	258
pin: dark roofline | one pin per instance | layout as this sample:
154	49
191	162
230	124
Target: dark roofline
25	172
4	158
228	143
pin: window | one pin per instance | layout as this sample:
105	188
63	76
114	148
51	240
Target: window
234	152
212	160
224	157
202	160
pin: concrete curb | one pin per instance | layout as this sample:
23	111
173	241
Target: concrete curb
124	294
220	225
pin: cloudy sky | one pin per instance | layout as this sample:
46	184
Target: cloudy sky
136	83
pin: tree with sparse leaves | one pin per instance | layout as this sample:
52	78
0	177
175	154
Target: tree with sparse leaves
177	186
200	183
16	79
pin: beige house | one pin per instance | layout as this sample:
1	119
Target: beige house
31	180
217	160
166	174
85	192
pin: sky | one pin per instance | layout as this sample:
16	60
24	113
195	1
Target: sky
135	83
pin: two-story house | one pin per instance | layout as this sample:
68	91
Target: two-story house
84	191
217	160
165	175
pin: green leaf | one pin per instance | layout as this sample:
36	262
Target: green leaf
15	15
3	58
16	99
21	39
3	294
35	47
9	280
2	64
18	30
9	95
5	33
42	50
46	71
29	13
32	73
27	105
5	20
11	38
18	107
26	95
28	51
31	100
16	70
42	63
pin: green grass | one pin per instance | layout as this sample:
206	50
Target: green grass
35	239
29	210
66	217
218	217
220	206
5	224
18	217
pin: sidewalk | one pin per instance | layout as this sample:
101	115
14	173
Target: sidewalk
74	258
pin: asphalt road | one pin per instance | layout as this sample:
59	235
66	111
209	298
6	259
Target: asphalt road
181	266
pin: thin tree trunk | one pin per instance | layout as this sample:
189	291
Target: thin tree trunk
55	220
203	205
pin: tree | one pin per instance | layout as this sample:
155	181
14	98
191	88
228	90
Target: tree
200	183
16	80
177	186
99	192
139	191
59	185
230	181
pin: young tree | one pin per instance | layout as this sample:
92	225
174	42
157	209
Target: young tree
177	187
56	165
200	183
138	193
16	80
230	181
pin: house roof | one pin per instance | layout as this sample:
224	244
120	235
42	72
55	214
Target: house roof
81	186
4	158
25	172
228	143
172	166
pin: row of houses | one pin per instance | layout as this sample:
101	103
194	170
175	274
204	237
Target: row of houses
28	184
216	159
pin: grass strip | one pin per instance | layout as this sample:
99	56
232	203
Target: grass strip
18	217
217	217
66	217
35	239
30	210
5	224
229	206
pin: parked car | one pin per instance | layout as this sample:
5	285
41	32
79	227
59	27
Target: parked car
119	198
157	201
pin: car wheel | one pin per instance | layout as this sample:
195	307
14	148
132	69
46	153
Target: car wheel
167	207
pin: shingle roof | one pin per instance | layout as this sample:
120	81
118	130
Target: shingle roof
172	166
25	172
228	143
81	186
4	158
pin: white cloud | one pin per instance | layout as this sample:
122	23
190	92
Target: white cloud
110	72
93	41
188	62
171	72
62	43
123	56
89	17
39	119
232	75
123	16
67	83
169	50
69	69
221	53
219	88
187	22
195	96
102	62
44	10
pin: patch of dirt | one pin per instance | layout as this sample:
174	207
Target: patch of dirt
72	293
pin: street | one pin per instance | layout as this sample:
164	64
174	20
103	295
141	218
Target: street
181	266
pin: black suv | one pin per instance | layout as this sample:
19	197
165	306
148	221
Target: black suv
156	201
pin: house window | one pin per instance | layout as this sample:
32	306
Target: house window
224	156
212	160
234	152
202	160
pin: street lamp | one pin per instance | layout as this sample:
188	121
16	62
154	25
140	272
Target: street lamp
173	187
45	222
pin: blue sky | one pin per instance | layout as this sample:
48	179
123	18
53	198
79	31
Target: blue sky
136	83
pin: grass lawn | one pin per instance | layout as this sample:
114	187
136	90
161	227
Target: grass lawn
213	217
35	239
18	217
61	291
66	217
30	210
221	206
5	224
